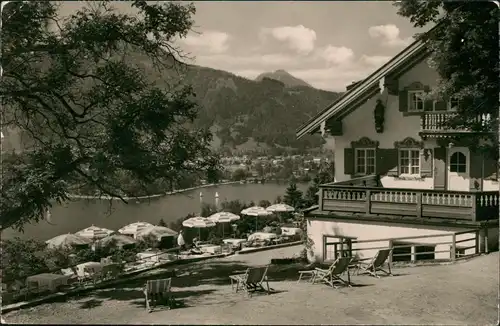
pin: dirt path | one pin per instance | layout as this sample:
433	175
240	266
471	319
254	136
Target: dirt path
464	293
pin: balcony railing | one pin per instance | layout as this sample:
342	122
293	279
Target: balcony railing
435	122
456	205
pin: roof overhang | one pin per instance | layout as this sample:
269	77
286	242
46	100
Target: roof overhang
415	51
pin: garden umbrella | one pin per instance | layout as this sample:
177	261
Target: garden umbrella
67	240
119	240
157	231
134	228
199	223
256	211
280	208
223	217
94	232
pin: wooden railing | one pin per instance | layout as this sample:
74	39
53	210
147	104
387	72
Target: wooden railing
452	246
436	121
472	206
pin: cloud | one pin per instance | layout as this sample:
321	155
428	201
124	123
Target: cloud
389	35
299	38
209	41
376	60
336	55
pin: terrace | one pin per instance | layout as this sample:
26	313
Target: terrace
366	197
204	291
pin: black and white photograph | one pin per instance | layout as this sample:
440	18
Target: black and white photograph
250	162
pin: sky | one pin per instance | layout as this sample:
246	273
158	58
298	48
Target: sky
327	44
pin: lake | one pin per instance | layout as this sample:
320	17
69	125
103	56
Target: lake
79	214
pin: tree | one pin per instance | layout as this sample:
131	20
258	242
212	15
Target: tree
162	223
239	174
77	89
293	196
264	203
464	51
325	175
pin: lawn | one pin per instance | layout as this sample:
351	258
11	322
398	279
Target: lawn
464	293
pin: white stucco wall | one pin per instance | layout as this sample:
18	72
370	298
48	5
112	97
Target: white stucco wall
316	228
490	185
360	123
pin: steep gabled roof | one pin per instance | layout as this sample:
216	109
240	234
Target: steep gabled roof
361	88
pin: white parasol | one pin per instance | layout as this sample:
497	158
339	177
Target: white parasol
94	232
223	217
256	211
199	223
280	208
157	231
134	228
67	240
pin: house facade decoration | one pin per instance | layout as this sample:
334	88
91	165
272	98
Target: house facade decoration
409	182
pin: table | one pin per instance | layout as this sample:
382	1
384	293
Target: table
234	242
211	249
90	267
47	280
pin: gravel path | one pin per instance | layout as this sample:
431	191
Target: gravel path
464	293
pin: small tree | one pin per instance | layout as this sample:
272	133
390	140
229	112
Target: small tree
293	196
264	203
162	223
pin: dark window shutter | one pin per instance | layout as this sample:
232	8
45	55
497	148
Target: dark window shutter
403	101
348	161
490	168
441	106
387	162
439	168
476	169
426	162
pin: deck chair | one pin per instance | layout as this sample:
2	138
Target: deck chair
156	290
251	281
331	276
376	264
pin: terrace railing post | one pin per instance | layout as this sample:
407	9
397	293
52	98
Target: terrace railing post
368	202
320	199
453	247
391	246
419	204
478	235
474	207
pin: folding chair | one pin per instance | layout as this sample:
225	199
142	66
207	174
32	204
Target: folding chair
376	264
158	289
251	281
331	275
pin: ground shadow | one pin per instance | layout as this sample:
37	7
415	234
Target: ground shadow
180	299
91	303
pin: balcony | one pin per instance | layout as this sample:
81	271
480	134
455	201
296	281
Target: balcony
433	123
376	201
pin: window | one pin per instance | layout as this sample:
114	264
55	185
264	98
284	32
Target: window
416	101
336	247
365	161
458	163
409	161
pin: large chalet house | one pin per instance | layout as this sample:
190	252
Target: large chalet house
402	180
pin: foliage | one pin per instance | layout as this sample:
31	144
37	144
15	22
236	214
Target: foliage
239	174
77	90
162	223
464	49
22	258
325	175
293	196
208	209
264	203
278	200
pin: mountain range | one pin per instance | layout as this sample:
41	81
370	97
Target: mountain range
244	114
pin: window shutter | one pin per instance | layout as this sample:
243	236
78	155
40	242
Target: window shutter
403	101
426	163
439	168
348	161
441	106
387	162
476	170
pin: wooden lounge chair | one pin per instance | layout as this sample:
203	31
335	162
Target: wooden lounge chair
157	290
376	264
251	281
331	276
